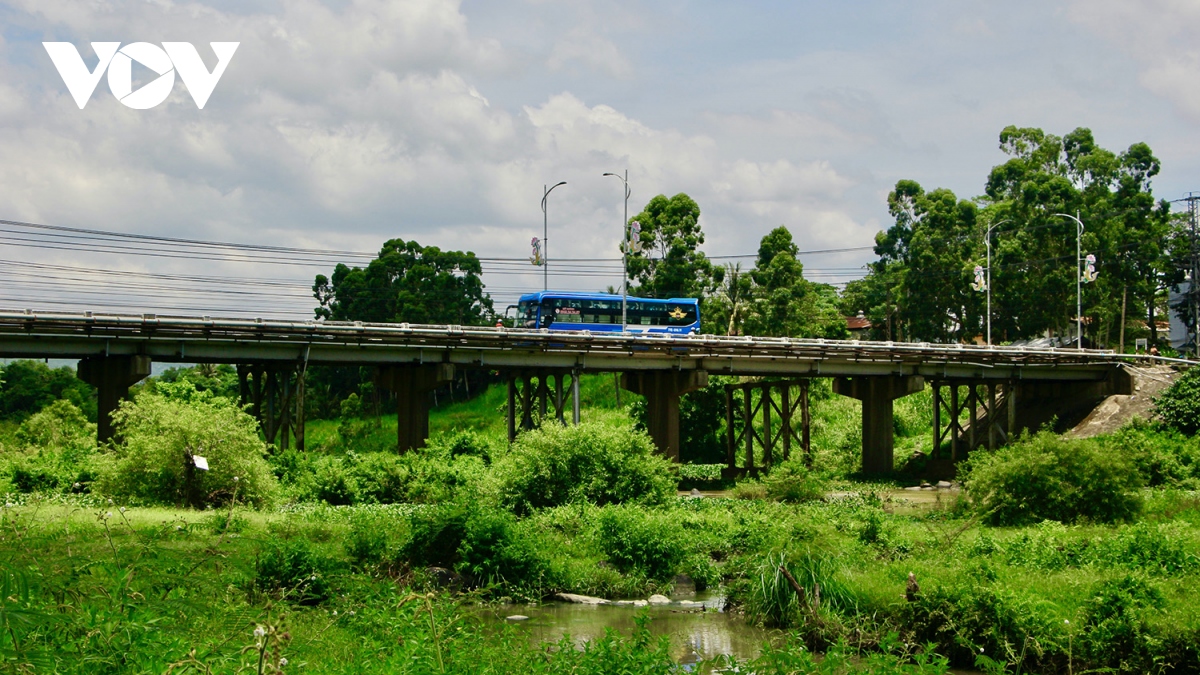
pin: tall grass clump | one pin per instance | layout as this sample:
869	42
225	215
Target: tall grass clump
1050	478
162	431
772	600
599	463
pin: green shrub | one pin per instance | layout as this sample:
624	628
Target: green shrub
375	536
437	532
1162	456
603	464
749	488
59	451
980	619
427	476
162	431
485	545
294	568
640	541
61	427
462	442
1050	478
495	549
1178	406
1116	623
792	482
332	483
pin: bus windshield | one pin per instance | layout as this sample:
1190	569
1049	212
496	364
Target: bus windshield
527	314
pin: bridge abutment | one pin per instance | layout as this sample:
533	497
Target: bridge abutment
877	395
662	389
412	385
111	376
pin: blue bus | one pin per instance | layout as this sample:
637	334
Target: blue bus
601	312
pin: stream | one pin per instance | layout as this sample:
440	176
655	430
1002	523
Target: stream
694	634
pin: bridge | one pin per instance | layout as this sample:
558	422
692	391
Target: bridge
1001	389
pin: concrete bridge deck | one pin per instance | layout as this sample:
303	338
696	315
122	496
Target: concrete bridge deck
116	350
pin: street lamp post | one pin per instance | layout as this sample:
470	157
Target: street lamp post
988	242
624	250
1078	276
545	245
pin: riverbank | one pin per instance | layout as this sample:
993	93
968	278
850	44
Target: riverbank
94	588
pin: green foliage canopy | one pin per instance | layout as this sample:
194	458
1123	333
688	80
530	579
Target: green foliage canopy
406	283
669	263
1179	405
29	386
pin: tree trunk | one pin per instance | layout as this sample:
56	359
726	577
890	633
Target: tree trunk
1151	324
1124	298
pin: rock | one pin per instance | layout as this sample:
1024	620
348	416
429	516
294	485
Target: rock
944	485
690	603
442	577
696	493
516	617
577	599
631	603
684	585
657	599
913	488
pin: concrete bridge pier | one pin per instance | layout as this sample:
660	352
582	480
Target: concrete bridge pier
662	389
412	385
877	395
111	376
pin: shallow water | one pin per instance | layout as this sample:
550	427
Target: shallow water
694	634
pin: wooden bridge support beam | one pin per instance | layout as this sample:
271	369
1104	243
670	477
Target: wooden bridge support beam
412	385
535	396
877	395
662	389
111	376
775	401
997	410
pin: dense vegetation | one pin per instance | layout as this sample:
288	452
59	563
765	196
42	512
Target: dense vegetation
350	549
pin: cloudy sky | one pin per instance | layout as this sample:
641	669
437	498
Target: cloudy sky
341	124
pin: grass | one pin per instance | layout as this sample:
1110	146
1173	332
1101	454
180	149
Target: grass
88	587
160	590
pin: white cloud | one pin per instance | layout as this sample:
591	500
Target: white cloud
1160	36
591	50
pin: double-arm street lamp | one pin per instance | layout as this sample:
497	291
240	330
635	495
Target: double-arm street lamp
624	249
545	246
1078	276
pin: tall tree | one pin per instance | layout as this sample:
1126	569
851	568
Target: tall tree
668	262
725	310
784	302
407	283
927	258
1125	229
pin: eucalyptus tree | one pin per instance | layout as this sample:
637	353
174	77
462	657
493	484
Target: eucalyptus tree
668	261
407	283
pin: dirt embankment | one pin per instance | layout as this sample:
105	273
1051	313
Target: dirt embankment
1116	411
